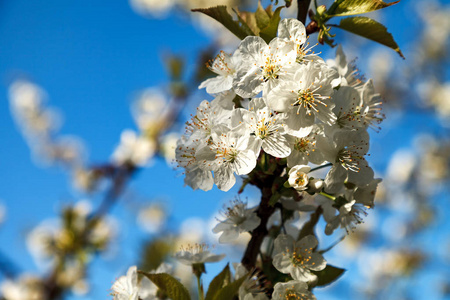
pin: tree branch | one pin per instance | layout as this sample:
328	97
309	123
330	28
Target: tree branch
308	227
265	183
302	12
264	212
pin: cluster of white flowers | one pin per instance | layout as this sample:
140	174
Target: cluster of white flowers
40	124
75	238
299	107
27	287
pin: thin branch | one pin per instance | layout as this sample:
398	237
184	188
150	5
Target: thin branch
321	167
117	186
264	183
332	245
308	227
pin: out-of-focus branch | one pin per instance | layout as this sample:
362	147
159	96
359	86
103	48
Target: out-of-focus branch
117	187
120	176
7	266
308	227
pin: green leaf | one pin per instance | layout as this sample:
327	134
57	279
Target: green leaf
221	280
220	13
286	184
356	7
247	18
262	17
328	275
310	225
270	31
273	275
169	285
370	29
231	290
274	199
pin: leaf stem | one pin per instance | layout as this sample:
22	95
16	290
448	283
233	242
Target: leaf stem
328	196
332	245
201	295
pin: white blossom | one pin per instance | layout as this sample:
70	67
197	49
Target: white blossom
294	32
264	125
224	65
292	290
126	287
27	287
306	97
298	178
227	153
133	149
350	215
254	286
304	146
197	254
238	219
297	258
346	151
262	66
348	74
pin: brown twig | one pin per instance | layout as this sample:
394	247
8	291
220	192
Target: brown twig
265	183
302	12
308	227
312	27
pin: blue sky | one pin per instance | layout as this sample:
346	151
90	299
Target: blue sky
90	57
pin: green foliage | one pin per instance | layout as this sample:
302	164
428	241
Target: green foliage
273	275
309	226
262	22
220	281
328	275
220	13
229	291
169	285
274	199
371	30
356	7
155	253
268	22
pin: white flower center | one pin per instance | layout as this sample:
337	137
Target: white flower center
227	154
349	158
309	99
270	70
303	144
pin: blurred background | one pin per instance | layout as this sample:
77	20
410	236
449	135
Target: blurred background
93	96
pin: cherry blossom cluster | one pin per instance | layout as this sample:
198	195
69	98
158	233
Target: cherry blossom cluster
280	103
282	99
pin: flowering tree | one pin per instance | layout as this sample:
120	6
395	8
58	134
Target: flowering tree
280	117
279	107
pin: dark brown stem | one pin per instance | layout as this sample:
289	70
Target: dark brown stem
264	212
312	27
265	183
302	12
308	227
